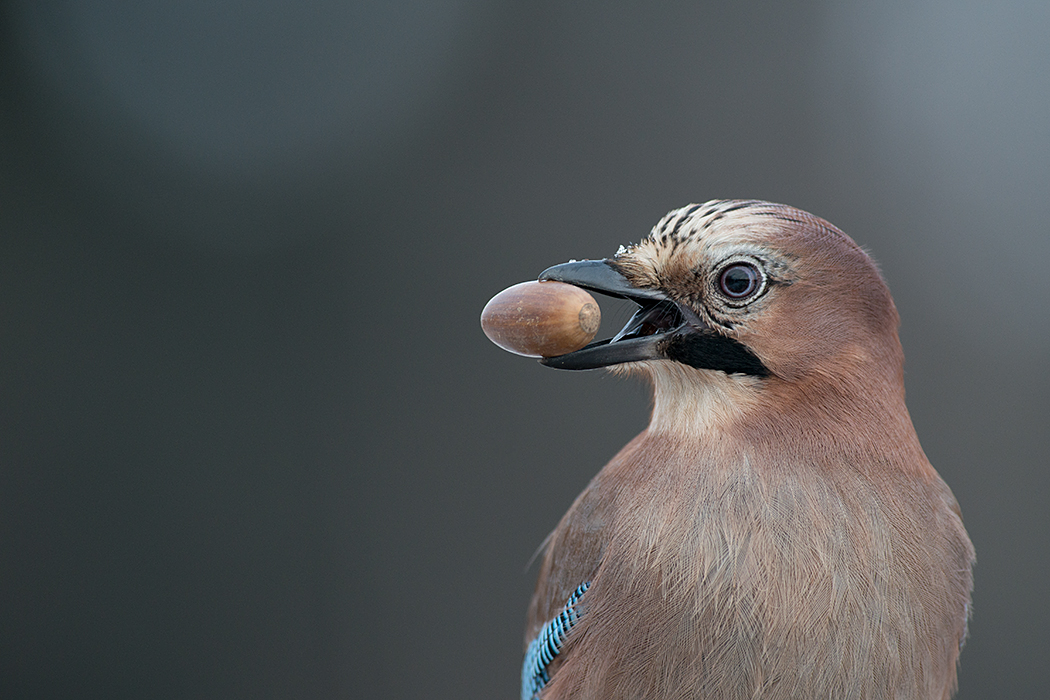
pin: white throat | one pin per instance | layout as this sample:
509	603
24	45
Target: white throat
694	402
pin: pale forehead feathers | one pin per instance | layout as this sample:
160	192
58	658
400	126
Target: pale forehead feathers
747	227
738	220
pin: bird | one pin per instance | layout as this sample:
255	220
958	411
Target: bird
776	531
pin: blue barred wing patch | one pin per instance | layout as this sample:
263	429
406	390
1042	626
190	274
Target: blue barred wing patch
547	645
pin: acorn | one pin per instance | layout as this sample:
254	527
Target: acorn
541	319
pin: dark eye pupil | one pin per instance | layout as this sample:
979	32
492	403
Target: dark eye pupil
738	281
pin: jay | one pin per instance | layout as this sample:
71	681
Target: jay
776	531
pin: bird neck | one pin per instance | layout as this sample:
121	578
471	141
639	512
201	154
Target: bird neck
698	403
816	417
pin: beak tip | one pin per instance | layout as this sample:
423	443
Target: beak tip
599	276
569	271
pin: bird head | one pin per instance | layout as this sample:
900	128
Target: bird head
746	296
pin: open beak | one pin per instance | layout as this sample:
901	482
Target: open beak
661	329
645	337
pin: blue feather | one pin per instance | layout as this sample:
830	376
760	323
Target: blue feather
547	645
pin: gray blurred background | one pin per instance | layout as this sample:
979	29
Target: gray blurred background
254	443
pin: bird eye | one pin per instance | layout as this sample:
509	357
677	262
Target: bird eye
739	280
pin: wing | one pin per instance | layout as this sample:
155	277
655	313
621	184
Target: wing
548	644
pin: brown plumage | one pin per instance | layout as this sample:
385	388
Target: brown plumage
776	531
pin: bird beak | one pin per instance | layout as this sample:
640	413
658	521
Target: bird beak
645	337
661	329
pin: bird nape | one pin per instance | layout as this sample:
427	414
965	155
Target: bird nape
776	531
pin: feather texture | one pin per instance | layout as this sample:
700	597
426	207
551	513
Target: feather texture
766	537
535	671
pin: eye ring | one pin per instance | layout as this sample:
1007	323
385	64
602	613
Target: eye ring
740	281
